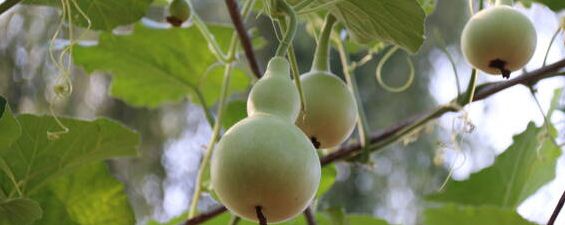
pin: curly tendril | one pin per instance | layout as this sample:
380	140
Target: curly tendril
63	86
379	75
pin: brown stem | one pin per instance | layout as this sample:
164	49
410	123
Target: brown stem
383	138
262	219
557	210
243	37
203	217
310	218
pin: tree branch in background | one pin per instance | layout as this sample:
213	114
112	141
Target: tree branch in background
243	36
390	135
7	4
557	209
206	216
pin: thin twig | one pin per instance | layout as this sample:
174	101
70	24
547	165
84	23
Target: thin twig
483	91
243	36
309	215
557	210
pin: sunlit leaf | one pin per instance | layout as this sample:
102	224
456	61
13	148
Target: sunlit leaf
428	5
328	178
103	14
516	174
88	196
399	22
472	215
34	159
154	66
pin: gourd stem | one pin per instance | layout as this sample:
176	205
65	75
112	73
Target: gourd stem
505	2
217	125
213	140
321	59
294	70
362	123
470	93
289	35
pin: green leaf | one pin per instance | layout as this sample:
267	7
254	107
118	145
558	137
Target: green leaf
328	178
34	159
103	14
428	5
10	129
516	174
235	111
365	220
400	22
155	66
469	215
555	5
19	211
88	196
56	211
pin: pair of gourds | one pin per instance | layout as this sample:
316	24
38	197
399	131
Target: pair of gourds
266	161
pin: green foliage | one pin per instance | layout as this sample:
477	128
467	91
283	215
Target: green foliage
19	211
472	215
517	173
428	5
34	158
103	14
492	195
399	22
555	5
65	177
9	128
88	196
329	173
154	66
235	111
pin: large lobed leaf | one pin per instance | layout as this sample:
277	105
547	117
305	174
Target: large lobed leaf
472	215
517	173
33	158
103	14
153	66
88	196
86	193
399	22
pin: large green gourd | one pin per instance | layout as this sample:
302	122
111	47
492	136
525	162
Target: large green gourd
498	40
330	111
265	160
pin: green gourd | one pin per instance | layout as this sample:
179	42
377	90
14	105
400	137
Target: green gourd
179	12
498	40
275	93
265	161
330	111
